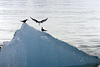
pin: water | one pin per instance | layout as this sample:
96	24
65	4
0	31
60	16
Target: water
73	21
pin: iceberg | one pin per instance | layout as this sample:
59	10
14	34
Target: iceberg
32	48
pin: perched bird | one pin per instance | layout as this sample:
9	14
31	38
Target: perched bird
43	29
24	21
38	21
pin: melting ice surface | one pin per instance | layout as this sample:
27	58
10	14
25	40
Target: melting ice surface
32	48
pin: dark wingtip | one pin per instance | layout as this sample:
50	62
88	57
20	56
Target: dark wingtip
31	17
46	18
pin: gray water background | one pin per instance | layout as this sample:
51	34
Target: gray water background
76	22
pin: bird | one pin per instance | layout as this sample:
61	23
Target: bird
24	21
39	21
43	29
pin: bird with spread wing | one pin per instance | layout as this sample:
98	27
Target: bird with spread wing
39	21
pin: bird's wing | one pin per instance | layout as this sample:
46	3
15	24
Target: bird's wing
43	20
34	19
